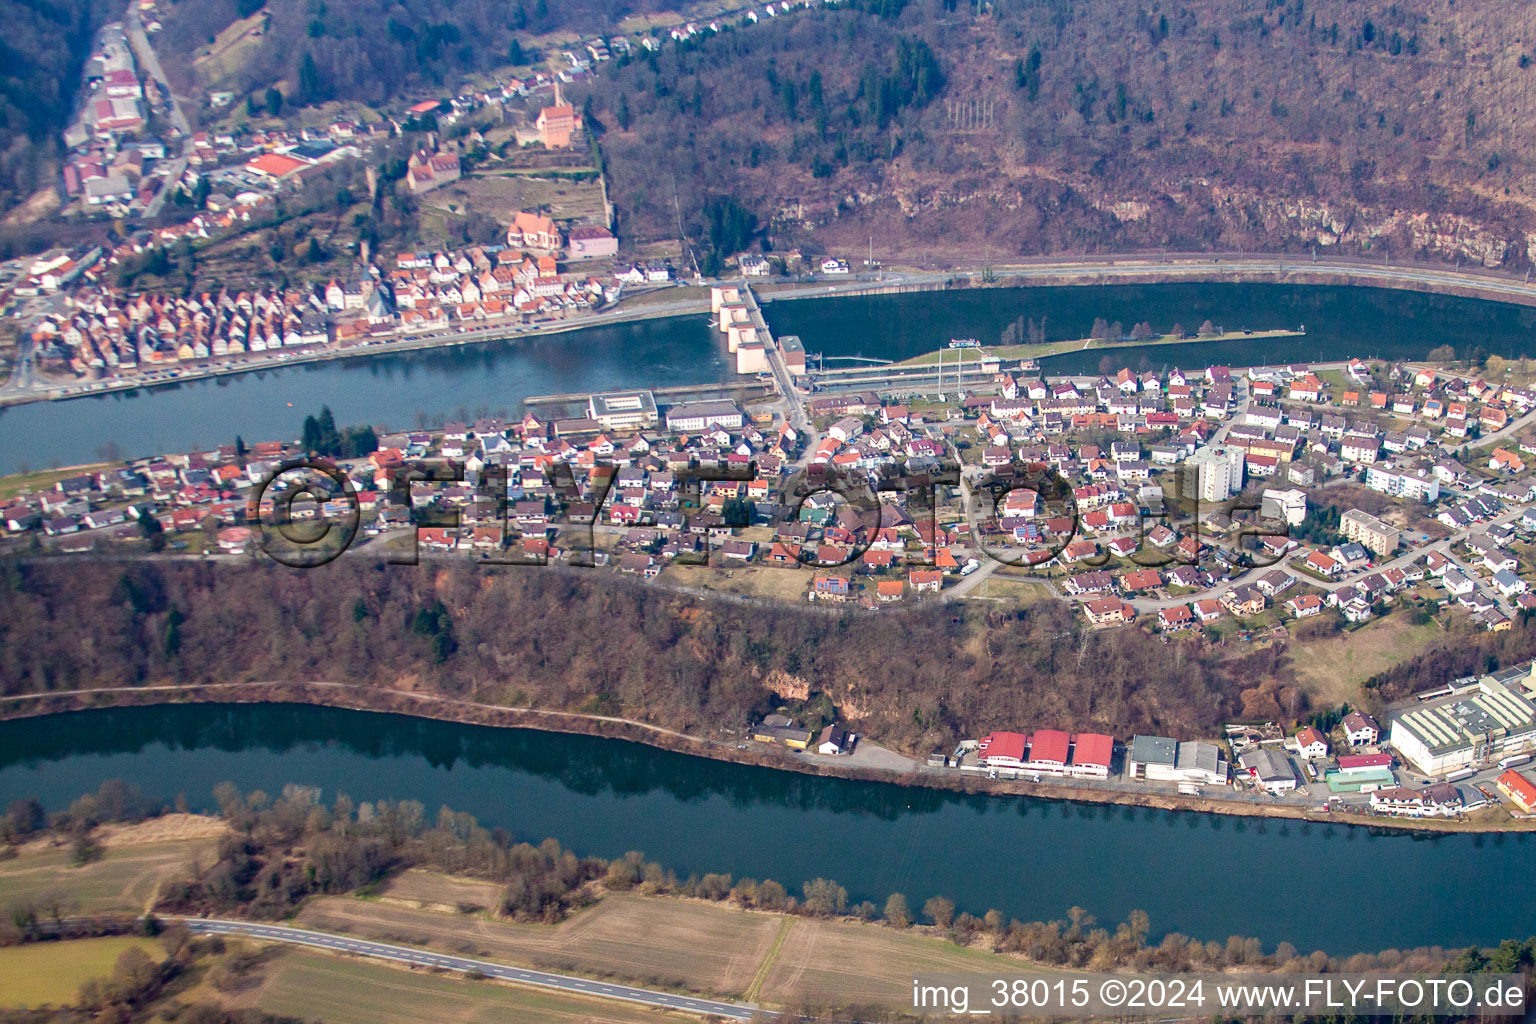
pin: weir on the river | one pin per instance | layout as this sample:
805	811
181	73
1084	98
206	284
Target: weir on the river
401	390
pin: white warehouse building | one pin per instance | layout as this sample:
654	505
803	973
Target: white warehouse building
1161	759
1494	720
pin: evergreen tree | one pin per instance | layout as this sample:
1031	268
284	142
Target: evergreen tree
309	80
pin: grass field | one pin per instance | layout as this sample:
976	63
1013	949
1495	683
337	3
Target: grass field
500	196
23	483
846	963
52	972
781	584
1077	344
125	878
312	986
1333	669
1014	592
660	942
424	890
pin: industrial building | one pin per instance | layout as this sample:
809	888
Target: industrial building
1084	755
1268	769
1161	759
1476	726
691	416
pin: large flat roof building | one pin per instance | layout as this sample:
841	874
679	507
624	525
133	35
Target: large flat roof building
623	410
1494	720
1161	759
702	415
1364	528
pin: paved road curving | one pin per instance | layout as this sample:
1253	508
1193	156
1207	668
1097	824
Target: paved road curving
451	962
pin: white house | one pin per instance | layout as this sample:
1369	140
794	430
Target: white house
1360	729
1311	744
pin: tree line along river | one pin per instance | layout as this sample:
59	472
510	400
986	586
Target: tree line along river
405	389
1339	888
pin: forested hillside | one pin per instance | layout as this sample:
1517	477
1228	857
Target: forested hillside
567	639
372	49
1053	126
43	45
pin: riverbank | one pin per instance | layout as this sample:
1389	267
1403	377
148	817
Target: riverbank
1229	268
355	697
1232	268
619	315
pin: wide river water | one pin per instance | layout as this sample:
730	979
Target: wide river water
1340	888
408	389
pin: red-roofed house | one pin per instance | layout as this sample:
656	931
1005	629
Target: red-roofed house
1519	790
1176	618
925	579
1311	744
1107	611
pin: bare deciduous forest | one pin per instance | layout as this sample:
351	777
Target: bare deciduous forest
1389	129
583	641
42	48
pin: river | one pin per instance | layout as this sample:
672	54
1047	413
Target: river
406	389
402	391
1343	889
1341	322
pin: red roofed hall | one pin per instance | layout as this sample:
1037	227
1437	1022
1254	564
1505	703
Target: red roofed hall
275	165
1049	747
1002	749
1519	789
1092	753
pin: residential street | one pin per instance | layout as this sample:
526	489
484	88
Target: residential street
151	63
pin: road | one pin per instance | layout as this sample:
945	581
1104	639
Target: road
151	63
1144	605
452	962
1199	266
794	404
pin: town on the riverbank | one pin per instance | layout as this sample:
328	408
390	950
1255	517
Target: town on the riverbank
1231	505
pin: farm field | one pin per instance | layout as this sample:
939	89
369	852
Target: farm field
864	964
425	890
649	941
316	987
661	942
44	973
125	877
